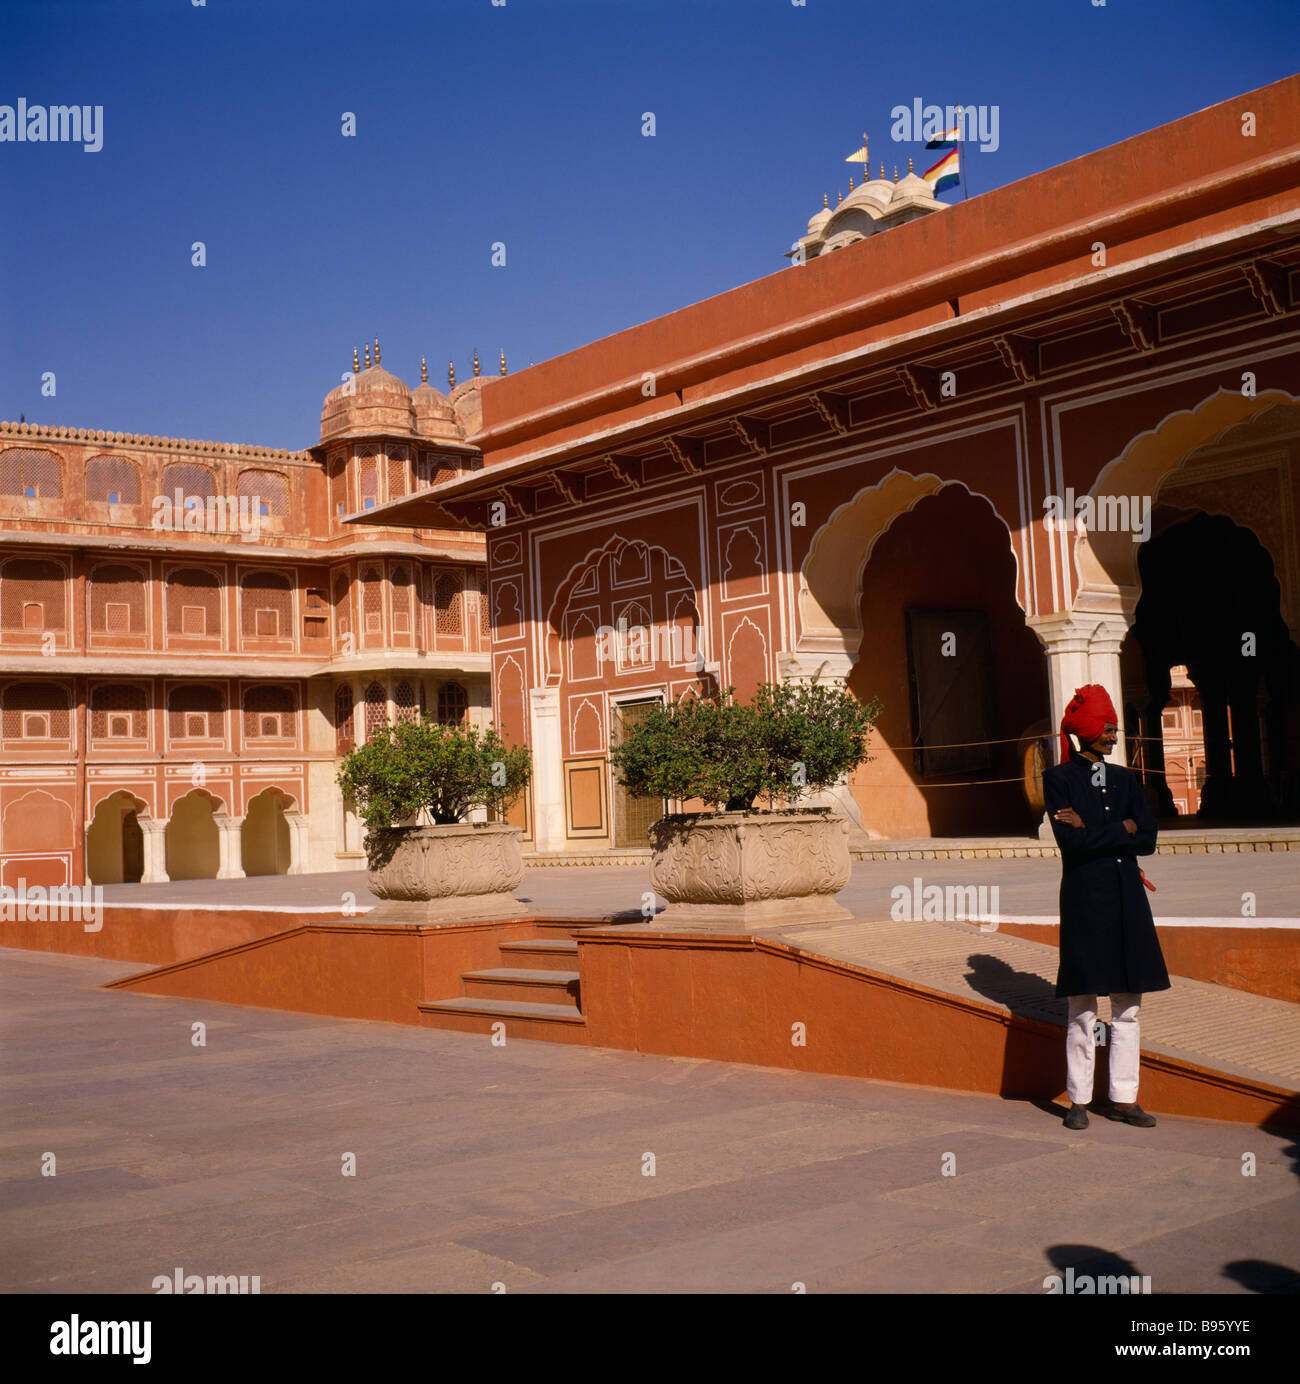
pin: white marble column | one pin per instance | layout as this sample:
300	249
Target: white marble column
230	860
1104	667
298	843
548	769
1065	642
1081	649
155	851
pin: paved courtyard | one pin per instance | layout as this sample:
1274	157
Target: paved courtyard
529	1166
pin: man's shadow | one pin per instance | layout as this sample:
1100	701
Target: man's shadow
1034	1064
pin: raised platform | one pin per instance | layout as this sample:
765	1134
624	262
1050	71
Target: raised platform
936	1004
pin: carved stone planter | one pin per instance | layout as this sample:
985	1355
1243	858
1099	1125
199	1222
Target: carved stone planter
738	871
445	874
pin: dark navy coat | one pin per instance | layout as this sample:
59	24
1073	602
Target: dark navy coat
1108	936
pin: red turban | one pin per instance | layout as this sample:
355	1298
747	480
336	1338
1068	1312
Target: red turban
1088	714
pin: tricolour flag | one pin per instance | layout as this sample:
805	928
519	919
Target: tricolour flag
944	174
947	140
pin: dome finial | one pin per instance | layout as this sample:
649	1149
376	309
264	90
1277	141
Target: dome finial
895	172
476	364
367	355
839	197
909	163
376	351
451	374
882	172
356	362
825	202
503	360
850	182
424	371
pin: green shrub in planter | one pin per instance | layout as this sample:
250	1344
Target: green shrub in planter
788	742
445	771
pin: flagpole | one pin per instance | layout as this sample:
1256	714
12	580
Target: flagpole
961	158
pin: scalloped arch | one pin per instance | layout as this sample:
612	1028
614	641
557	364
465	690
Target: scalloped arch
573	578
830	579
1105	561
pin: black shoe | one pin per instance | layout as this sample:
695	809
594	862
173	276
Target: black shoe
1133	1114
1076	1117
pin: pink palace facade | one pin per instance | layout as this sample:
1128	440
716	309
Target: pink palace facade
175	700
853	469
847	470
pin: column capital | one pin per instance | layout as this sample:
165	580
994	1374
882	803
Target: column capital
804	665
1061	631
545	701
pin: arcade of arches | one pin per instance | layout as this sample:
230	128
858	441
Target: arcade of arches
198	841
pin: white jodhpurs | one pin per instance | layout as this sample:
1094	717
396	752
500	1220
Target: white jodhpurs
1124	1048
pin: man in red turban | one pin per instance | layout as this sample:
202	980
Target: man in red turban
1108	936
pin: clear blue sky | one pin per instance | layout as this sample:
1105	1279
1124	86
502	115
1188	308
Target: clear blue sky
479	123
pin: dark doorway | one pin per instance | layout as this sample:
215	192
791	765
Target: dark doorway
1211	603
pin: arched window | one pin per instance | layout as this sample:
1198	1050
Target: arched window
194	712
401	597
266	606
36	711
193	602
269	712
397	470
404	701
190	479
448	598
32	593
342	605
376	708
373	600
339	485
113	480
484	610
267	490
30	473
343	733
118	711
117	599
368	479
452	704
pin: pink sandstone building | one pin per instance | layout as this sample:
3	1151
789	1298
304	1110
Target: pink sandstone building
192	636
960	458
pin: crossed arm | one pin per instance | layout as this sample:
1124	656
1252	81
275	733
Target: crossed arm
1137	830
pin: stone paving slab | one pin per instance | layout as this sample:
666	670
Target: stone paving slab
522	1165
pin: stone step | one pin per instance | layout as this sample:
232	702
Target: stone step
552	1023
541	953
523	983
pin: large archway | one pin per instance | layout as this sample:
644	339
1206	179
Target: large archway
1211	602
266	846
115	841
193	839
960	676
